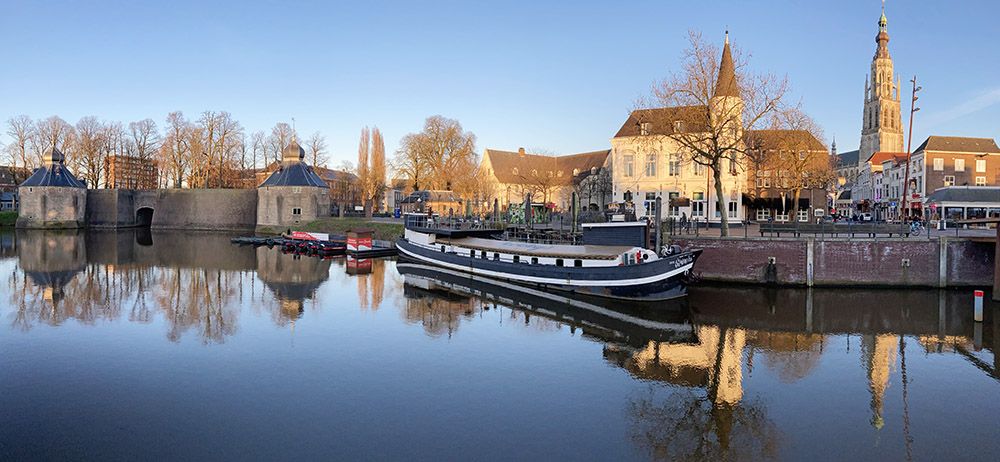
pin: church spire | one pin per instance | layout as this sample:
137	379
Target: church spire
726	83
882	22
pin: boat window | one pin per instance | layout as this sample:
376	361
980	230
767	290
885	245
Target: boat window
534	260
559	262
496	256
482	254
578	263
517	258
442	248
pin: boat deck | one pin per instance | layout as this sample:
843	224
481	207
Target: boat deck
598	252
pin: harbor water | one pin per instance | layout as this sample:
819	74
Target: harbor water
158	345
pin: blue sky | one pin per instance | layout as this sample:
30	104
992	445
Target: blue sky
558	75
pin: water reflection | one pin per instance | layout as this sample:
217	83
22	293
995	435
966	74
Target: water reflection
704	347
726	374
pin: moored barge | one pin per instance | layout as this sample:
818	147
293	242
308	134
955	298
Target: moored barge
611	261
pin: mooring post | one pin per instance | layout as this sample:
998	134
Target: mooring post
575	212
977	305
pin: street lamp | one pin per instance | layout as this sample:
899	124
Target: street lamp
909	141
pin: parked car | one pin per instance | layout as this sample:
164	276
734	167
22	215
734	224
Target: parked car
865	217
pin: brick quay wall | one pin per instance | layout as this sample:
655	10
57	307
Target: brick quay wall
887	262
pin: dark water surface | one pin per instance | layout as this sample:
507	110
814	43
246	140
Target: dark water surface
189	348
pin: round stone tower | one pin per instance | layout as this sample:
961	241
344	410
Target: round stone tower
52	197
293	194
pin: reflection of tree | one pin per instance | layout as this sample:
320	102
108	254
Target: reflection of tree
371	286
439	315
199	299
689	426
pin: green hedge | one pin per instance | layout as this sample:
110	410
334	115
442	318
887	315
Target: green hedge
8	219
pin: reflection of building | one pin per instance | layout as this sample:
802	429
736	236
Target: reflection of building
292	278
879	353
51	260
129	172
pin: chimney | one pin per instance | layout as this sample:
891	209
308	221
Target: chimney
520	152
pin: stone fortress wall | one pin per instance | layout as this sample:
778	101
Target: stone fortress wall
192	209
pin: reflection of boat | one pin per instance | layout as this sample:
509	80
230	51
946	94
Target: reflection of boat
611	262
622	321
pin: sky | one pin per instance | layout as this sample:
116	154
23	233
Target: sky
558	76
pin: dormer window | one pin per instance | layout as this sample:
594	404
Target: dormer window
559	173
678	126
644	128
514	171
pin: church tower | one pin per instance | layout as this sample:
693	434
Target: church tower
726	105
881	124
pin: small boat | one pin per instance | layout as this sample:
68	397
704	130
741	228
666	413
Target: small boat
611	262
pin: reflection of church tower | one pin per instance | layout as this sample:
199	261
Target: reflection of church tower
881	126
879	352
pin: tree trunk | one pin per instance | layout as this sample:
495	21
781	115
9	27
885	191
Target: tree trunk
795	203
720	201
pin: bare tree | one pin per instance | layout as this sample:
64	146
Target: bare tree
728	100
281	135
20	129
430	158
316	146
175	150
144	138
258	143
91	148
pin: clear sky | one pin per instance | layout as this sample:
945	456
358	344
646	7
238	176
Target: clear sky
555	75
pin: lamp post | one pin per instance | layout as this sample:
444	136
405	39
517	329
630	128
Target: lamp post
909	141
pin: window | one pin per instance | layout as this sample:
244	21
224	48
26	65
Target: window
297	189
949	180
578	263
650	203
733	209
763	214
628	165
517	258
482	254
672	198
959	165
698	168
938	164
678	126
764	179
496	256
980	165
559	262
650	164
534	260
980	181
644	128
803	216
296	211
442	248
698	204
674	165
732	166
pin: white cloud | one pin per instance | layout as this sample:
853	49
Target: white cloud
982	101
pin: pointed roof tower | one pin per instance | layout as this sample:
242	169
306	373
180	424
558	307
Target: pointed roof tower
725	85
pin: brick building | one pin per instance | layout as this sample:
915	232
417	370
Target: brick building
129	172
943	161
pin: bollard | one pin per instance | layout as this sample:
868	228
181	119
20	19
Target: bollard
978	305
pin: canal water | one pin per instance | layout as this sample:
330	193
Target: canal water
138	345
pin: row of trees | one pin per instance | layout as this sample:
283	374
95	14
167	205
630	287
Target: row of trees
371	168
212	151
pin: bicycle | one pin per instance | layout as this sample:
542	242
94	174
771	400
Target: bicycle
916	228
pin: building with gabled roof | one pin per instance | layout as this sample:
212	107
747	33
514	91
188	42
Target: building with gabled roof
549	179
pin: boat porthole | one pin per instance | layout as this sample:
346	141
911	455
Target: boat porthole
645	256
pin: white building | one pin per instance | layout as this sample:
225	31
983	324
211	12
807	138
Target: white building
647	162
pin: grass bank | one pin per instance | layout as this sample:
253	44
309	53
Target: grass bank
8	219
334	225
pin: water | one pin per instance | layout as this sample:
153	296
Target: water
181	346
